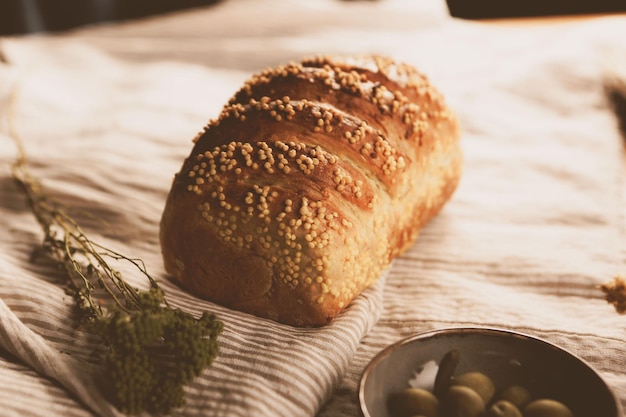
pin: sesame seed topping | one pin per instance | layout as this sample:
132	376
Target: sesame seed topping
291	162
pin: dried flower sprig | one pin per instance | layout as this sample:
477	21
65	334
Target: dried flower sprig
615	293
153	350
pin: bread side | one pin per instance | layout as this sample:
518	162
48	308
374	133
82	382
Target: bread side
313	178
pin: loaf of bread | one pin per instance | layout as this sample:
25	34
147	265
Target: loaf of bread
312	179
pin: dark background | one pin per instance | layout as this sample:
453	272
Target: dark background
489	9
21	16
27	16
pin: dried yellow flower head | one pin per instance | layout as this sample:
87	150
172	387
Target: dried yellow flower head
615	293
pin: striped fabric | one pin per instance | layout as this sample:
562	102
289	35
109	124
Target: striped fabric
536	224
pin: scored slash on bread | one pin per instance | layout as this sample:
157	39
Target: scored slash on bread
312	179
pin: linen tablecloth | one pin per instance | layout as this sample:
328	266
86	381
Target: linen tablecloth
107	114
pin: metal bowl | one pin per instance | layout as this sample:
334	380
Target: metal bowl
507	357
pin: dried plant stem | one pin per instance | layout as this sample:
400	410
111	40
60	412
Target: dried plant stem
153	349
64	240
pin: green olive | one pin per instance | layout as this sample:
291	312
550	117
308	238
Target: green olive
547	408
462	401
516	394
477	381
503	408
411	402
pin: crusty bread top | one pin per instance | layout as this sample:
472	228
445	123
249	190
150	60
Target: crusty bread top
303	165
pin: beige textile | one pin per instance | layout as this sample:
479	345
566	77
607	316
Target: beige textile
539	220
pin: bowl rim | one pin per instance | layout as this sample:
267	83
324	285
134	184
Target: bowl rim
364	412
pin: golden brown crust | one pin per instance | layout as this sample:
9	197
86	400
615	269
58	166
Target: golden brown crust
313	178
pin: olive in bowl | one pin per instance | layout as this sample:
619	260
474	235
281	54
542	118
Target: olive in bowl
483	372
